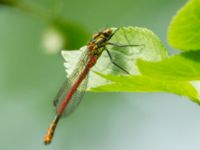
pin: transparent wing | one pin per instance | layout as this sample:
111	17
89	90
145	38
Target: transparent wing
72	58
76	98
73	76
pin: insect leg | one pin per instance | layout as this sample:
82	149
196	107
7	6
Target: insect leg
113	62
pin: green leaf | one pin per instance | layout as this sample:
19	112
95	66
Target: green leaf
147	84
179	74
184	30
180	67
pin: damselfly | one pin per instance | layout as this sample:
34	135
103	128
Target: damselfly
72	91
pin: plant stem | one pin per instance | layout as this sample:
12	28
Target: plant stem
34	11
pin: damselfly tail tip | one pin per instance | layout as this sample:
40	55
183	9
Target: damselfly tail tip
47	139
49	135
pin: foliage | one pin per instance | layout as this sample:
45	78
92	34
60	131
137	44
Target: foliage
151	70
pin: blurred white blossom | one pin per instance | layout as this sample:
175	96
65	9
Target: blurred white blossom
53	41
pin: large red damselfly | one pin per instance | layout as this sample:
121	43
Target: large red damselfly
72	91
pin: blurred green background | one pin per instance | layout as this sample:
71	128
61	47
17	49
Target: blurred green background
30	76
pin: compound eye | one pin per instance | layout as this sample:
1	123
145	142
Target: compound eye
107	32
